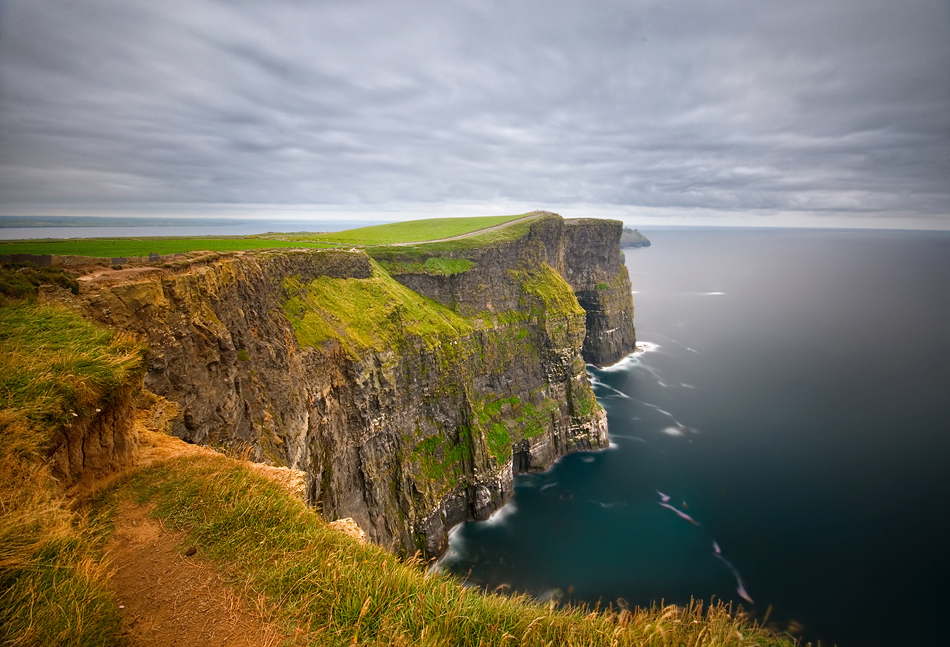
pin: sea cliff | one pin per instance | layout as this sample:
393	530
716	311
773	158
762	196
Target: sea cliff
409	383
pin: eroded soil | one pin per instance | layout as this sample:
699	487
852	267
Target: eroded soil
168	599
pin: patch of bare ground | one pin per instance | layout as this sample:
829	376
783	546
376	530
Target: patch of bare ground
169	599
167	595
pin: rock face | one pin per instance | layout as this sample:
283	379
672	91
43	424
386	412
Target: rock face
97	443
409	397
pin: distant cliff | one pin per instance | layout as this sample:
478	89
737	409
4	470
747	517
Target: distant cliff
633	238
409	383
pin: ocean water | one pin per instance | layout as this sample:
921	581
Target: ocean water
782	443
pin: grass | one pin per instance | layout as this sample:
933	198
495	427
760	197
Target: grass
547	284
406	232
375	313
440	457
54	365
433	265
20	281
124	247
379	235
413	253
323	588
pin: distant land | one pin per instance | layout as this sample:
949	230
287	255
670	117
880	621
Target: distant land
7	222
633	238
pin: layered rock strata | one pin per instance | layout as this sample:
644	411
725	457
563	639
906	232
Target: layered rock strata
409	398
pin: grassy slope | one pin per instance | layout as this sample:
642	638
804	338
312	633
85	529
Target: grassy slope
410	253
406	232
53	364
374	313
326	589
120	247
379	235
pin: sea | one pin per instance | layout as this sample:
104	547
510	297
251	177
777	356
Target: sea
781	442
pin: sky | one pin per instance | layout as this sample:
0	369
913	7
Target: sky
736	112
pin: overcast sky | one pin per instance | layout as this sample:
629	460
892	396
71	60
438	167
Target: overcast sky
811	112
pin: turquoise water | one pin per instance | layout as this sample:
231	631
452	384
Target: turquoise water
783	442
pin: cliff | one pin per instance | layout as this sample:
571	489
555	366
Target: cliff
410	387
633	238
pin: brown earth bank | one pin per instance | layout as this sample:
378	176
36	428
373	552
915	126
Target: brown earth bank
167	595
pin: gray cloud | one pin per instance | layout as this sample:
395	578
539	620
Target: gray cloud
830	107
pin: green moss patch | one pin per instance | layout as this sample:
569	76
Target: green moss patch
441	459
433	265
545	283
377	313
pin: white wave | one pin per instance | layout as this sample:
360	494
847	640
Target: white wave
587	459
679	513
672	431
663	497
624	364
637	438
609	504
499	516
740	589
551	594
547	487
597	384
740	585
653	406
687	386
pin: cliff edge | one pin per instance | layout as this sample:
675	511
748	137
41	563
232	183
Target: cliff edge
409	383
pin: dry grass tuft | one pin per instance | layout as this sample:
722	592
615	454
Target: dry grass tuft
53	366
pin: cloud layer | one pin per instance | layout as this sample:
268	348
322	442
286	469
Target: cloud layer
814	107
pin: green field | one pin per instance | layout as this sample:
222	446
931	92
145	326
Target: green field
406	232
390	234
118	247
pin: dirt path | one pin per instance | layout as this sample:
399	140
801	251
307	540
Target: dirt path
471	233
169	600
167	597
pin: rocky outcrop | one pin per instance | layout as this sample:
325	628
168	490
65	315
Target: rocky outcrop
410	399
95	443
600	280
585	251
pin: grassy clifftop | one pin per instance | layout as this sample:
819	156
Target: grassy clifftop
55	367
477	231
405	232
